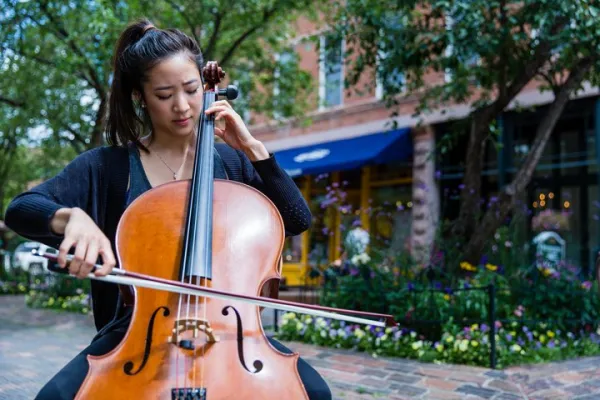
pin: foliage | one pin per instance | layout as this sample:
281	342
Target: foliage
79	303
516	343
55	57
49	290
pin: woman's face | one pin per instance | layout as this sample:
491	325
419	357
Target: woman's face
173	96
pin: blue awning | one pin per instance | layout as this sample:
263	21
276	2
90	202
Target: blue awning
347	154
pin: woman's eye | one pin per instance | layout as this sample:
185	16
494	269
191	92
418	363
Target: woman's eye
164	97
194	91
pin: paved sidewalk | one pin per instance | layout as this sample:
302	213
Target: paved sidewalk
34	344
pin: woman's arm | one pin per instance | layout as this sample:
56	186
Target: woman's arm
32	214
62	213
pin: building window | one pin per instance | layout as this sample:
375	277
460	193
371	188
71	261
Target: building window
282	97
389	77
465	60
331	72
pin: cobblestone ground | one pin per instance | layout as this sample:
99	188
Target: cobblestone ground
34	344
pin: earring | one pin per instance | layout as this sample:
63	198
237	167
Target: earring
143	105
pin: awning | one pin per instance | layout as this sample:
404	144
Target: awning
347	154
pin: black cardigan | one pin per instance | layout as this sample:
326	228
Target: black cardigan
96	181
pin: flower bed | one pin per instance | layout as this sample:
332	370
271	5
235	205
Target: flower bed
11	287
79	302
515	343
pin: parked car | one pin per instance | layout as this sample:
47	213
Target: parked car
24	258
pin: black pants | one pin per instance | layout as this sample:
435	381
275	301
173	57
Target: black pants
65	384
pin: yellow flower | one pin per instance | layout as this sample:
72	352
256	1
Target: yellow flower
543	338
550	334
467	266
513	333
449	339
288	316
491	267
464	345
446	297
417	345
474	327
474	343
515	347
439	347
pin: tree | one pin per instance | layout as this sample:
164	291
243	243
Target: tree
491	49
63	52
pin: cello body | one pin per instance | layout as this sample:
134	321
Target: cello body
190	347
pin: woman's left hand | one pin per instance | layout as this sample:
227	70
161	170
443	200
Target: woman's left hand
234	131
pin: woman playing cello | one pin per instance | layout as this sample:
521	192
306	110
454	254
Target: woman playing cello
155	107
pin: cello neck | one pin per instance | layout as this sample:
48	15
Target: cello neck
197	249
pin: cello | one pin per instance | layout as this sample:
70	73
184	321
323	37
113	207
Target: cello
196	256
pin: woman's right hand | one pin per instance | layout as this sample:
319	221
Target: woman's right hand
81	232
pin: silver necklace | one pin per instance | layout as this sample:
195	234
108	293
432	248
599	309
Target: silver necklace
167	165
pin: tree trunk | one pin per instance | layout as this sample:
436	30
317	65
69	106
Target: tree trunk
97	139
496	214
471	189
425	211
466	223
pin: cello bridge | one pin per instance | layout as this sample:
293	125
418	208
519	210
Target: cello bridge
194	325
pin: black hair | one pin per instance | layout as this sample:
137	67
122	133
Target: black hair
140	47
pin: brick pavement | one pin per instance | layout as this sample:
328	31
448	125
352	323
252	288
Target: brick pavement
34	344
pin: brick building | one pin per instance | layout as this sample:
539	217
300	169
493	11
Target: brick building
350	143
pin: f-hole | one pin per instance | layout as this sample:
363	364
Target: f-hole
258	365
128	367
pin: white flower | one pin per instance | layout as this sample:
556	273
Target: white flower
356	241
362	258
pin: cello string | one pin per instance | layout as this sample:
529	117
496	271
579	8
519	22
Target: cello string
206	224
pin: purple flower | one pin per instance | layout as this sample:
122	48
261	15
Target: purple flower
509	337
484	328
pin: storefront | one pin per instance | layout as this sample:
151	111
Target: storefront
566	180
366	180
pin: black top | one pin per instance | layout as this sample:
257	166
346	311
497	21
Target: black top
96	181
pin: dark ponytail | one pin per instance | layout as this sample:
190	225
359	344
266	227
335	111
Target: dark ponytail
140	47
